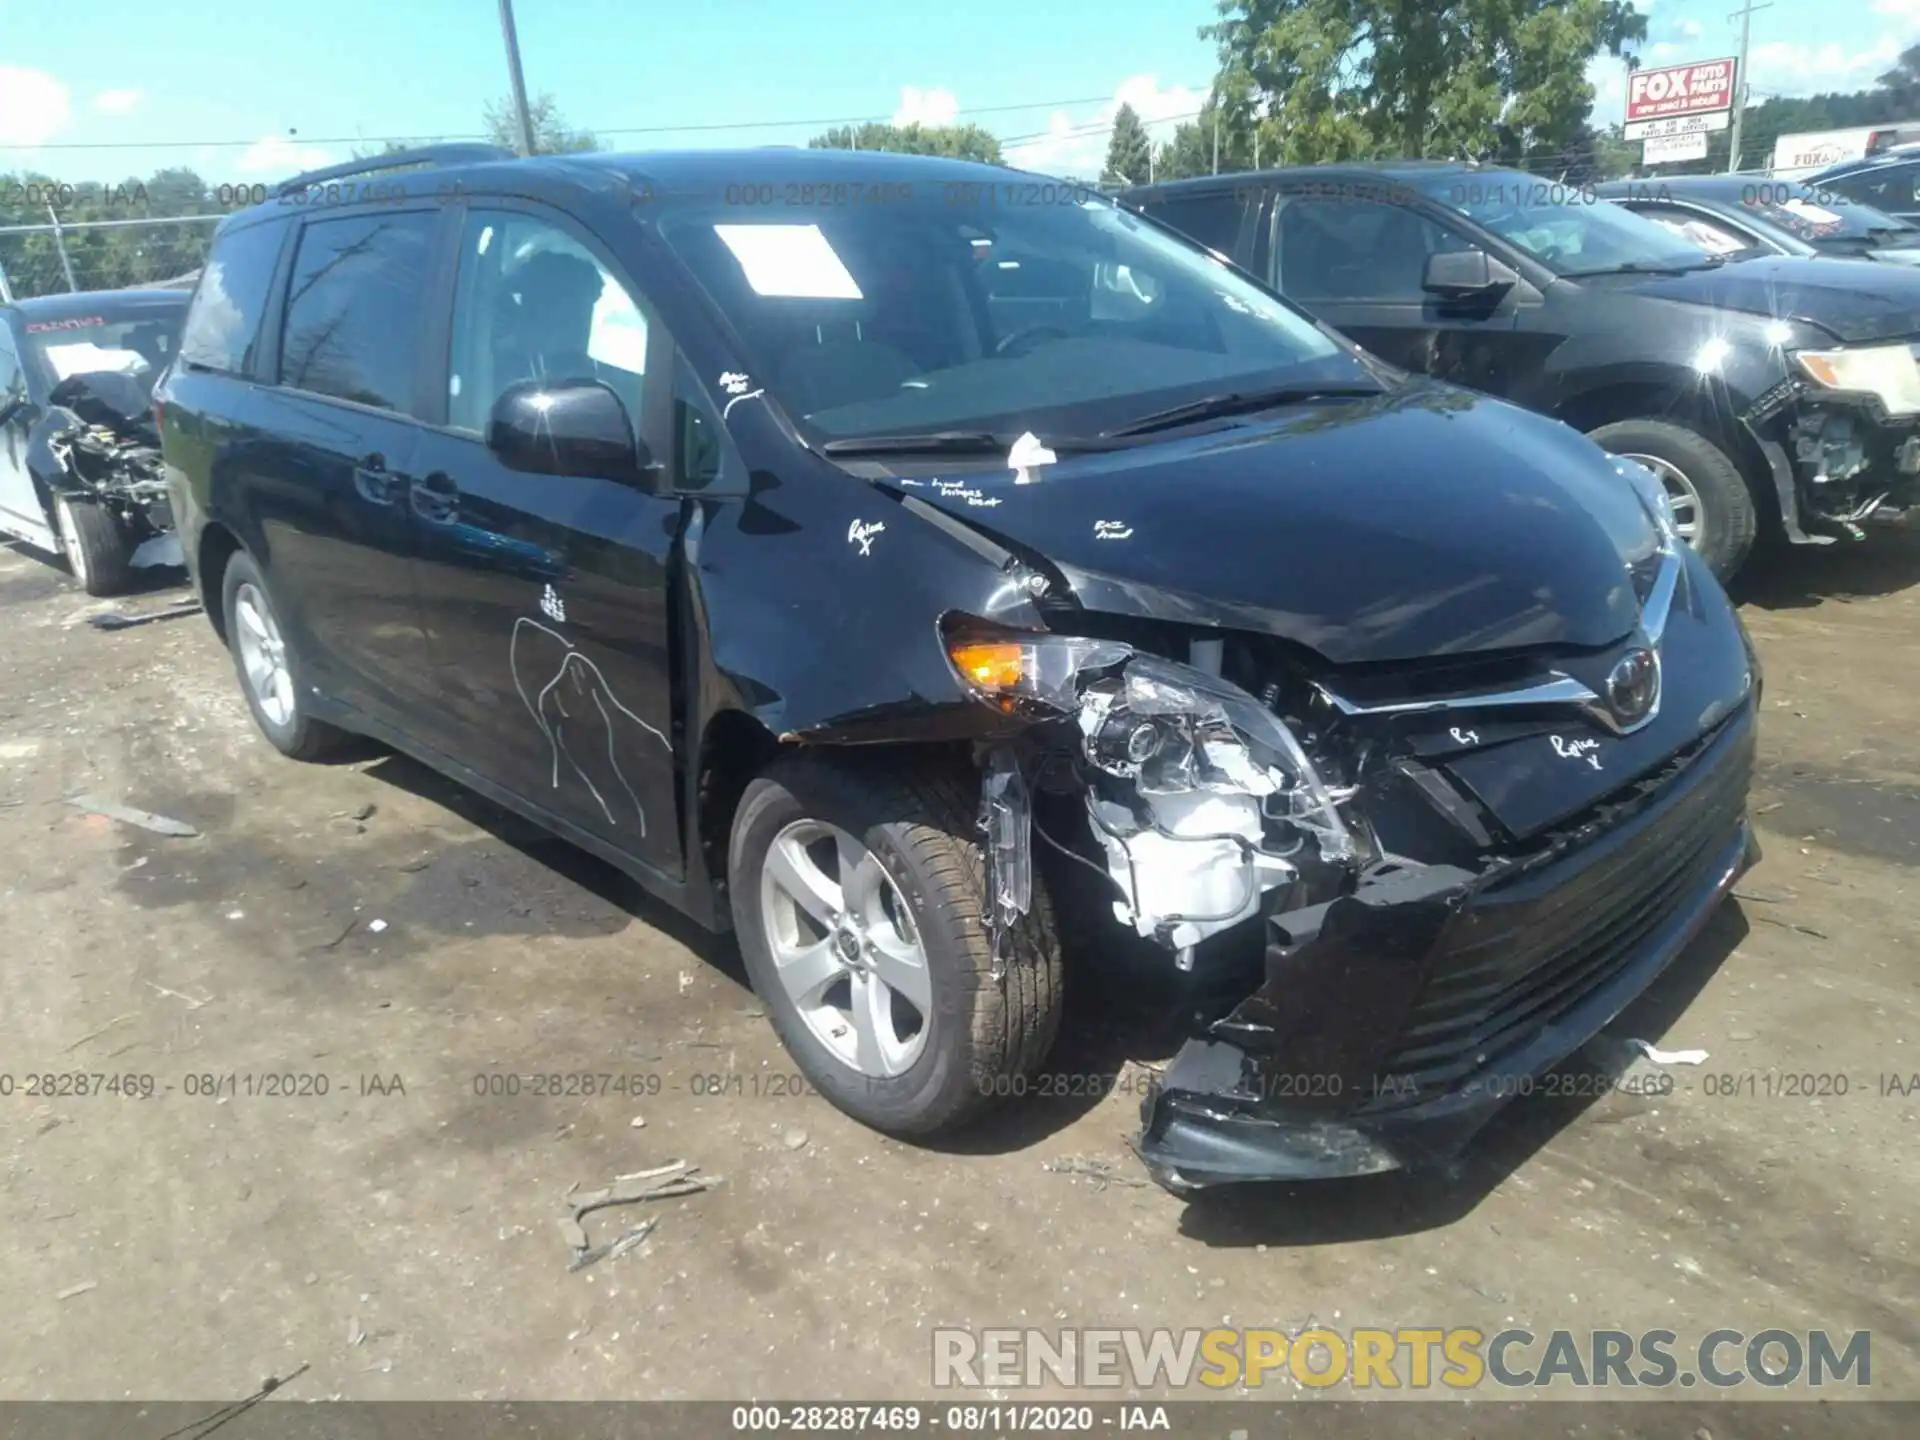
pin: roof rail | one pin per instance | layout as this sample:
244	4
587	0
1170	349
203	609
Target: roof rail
470	152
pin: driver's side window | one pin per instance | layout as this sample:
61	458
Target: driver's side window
13	380
1344	248
533	303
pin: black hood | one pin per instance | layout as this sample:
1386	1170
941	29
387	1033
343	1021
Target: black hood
1853	302
1429	523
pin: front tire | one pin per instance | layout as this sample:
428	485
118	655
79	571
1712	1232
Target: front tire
269	671
858	894
1711	501
96	545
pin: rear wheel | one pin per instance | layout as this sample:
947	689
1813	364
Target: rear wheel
95	543
858	895
1712	505
269	671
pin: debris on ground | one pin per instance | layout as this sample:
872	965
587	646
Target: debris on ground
119	620
796	1140
676	1177
82	1288
96	1034
126	814
376	926
192	1003
1668	1057
1101	1172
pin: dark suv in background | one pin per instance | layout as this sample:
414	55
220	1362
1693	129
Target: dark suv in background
921	567
1775	391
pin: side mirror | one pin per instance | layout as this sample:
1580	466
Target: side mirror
1466	275
570	427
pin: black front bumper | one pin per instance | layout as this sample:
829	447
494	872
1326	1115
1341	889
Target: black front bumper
1427	999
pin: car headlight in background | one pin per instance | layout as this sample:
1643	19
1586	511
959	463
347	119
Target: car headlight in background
1887	372
1653	499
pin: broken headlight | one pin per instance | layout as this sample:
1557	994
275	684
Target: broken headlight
1654	499
1886	372
1169	729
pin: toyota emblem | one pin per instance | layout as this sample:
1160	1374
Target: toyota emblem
1633	687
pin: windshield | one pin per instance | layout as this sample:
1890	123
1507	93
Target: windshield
1568	228
139	348
1018	306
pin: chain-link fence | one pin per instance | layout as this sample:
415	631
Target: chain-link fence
60	256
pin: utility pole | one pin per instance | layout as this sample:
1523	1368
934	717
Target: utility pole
1745	17
60	244
524	119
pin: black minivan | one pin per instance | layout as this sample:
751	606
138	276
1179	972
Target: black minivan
933	572
1778	394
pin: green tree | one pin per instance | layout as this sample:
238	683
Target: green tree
1344	79
1129	151
959	142
551	133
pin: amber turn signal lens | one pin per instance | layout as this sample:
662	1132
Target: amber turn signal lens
989	666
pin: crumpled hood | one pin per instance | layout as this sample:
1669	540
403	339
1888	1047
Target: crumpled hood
1854	302
1433	522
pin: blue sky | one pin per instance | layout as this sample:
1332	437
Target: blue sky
286	85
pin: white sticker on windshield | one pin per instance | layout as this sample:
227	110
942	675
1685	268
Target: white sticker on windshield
1810	212
791	262
83	357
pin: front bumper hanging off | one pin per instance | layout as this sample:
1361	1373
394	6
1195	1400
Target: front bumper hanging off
1394	1022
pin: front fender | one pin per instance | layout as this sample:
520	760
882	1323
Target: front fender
820	601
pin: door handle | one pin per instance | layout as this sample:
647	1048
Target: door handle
375	482
435	498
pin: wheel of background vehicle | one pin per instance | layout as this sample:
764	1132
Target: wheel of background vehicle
857	895
268	669
1711	503
95	543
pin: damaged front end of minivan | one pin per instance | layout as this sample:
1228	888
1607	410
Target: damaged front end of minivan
1409	889
98	443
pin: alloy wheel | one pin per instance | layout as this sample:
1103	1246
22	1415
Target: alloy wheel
263	654
70	539
846	949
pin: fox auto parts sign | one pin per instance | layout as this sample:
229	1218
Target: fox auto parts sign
1675	92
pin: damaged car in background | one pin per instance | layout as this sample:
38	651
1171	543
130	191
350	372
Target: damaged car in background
927	589
80	470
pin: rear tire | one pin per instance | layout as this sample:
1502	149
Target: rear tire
96	544
980	1037
1695	470
268	668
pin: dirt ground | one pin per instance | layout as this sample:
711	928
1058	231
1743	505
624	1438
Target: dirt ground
399	1235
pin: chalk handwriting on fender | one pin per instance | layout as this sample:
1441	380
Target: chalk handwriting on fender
1111	530
1576	750
861	533
551	605
1463	737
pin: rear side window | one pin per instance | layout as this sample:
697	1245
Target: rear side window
1214	220
223	323
355	306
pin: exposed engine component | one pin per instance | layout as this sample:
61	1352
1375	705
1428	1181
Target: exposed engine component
110	448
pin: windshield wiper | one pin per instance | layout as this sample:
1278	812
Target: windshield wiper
1240	402
1639	267
929	442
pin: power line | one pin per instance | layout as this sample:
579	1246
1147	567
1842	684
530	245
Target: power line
473	135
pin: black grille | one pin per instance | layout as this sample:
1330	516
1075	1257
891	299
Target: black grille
1524	951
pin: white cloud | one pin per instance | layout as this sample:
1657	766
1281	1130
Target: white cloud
1078	146
116	102
33	106
1902	9
278	156
1693	29
926	107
